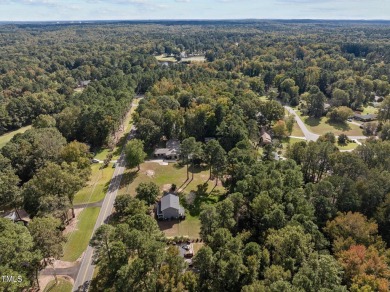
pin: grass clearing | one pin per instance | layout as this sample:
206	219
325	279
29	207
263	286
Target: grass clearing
164	176
349	146
4	139
189	227
297	131
164	58
96	188
194	59
323	125
62	286
78	240
369	110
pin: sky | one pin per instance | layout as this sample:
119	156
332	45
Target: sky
47	10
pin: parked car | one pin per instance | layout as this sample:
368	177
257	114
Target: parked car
114	165
94	160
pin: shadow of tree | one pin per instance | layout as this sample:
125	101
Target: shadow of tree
339	126
312	122
195	208
127	178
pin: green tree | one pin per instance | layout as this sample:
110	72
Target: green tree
385	133
48	238
52	190
289	247
148	192
190	150
384	110
44	121
340	114
315	101
318	273
134	153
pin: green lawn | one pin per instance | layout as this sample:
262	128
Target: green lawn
369	110
164	176
297	131
194	59
62	286
77	241
349	146
96	188
189	227
323	125
4	139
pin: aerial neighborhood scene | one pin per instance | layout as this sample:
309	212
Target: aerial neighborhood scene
190	146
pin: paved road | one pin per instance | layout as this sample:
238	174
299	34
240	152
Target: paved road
309	135
85	274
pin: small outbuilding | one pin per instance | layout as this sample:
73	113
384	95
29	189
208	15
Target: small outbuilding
169	208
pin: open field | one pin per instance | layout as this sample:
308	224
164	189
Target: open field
164	176
77	241
95	190
323	125
62	286
163	58
194	59
4	139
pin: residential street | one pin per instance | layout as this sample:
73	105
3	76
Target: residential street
85	273
309	135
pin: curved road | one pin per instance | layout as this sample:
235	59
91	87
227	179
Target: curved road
309	135
87	268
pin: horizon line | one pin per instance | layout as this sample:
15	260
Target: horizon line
196	19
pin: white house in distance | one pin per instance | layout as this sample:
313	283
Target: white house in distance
169	208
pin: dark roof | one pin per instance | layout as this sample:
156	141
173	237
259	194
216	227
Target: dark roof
170	201
366	117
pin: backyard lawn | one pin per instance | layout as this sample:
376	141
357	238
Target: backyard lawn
77	240
323	125
62	286
189	227
4	139
95	190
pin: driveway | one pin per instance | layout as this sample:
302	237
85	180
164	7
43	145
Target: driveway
309	135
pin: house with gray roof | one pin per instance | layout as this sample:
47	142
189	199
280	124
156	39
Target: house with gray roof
171	150
169	208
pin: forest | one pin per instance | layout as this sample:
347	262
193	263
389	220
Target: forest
318	220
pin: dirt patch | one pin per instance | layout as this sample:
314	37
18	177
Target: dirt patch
166	187
190	198
150	173
72	226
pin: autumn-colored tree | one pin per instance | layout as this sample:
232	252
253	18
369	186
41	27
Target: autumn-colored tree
350	228
365	267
